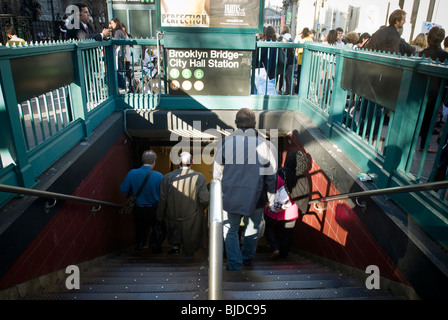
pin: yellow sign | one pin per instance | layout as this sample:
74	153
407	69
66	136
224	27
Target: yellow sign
242	14
185	13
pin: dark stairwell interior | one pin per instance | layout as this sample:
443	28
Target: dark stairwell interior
37	244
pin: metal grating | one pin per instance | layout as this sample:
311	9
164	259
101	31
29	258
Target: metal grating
140	276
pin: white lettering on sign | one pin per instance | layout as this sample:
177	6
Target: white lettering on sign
197	59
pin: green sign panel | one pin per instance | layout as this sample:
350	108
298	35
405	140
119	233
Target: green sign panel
209	72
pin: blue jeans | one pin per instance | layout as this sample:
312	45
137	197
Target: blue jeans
231	226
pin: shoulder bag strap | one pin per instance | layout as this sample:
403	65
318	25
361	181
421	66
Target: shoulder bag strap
143	184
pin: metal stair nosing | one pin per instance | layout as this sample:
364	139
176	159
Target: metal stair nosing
146	278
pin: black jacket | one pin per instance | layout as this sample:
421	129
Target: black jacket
81	33
385	39
434	53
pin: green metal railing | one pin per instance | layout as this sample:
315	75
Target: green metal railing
51	110
382	192
378	130
382	140
95	77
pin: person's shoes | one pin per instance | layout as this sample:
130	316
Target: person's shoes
228	269
174	252
156	250
187	256
247	262
139	247
275	255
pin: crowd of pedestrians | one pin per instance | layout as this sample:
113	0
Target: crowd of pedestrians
386	40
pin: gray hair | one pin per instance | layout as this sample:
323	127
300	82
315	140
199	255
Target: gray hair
185	159
149	157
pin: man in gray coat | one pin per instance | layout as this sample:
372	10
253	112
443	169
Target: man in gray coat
183	198
246	164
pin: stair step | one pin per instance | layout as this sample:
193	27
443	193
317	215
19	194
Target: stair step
314	294
124	296
203	285
140	276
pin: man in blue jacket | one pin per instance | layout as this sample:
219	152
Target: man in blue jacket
147	202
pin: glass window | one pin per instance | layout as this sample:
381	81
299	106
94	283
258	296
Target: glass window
123	16
140	23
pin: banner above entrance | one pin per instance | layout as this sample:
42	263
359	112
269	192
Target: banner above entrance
242	15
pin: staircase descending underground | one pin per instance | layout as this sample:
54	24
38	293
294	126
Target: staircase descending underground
140	275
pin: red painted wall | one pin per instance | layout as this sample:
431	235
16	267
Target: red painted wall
74	234
336	233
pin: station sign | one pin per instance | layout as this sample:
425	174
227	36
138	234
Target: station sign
209	72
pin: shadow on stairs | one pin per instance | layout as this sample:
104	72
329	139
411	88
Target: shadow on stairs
141	275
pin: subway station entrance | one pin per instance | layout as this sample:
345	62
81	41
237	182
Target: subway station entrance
70	133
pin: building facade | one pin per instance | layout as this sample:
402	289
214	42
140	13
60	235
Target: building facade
367	16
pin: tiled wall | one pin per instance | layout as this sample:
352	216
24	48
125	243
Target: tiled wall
336	232
74	234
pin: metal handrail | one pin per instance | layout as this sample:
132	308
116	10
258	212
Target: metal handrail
215	242
383	192
54	195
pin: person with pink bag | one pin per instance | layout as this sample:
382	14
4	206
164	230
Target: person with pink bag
282	215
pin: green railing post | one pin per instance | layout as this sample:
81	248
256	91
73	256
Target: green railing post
403	127
111	76
78	92
338	96
12	142
305	74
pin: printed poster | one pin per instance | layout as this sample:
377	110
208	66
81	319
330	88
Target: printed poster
426	26
242	14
